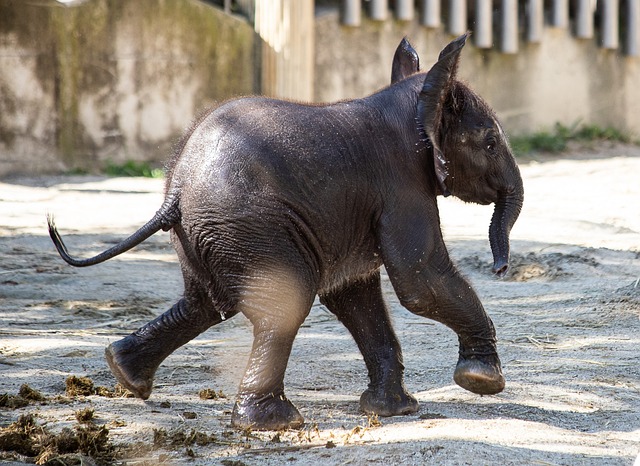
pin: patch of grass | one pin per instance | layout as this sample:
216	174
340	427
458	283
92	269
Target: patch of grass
556	140
593	133
133	168
542	141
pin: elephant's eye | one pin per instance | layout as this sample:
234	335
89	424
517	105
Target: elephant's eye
491	143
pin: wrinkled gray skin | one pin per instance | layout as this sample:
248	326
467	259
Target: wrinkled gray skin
271	203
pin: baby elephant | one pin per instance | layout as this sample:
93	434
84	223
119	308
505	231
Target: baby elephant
271	203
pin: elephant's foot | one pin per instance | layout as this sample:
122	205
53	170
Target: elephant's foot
483	378
386	402
273	412
133	370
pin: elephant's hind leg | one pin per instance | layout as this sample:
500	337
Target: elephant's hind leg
361	308
135	359
276	302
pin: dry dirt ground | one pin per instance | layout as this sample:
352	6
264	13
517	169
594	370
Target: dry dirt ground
567	318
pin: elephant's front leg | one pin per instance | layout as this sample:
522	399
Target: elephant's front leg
428	284
361	308
276	304
446	297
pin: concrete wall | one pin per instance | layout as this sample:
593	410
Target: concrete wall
111	79
561	79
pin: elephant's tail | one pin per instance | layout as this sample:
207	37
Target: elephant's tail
165	218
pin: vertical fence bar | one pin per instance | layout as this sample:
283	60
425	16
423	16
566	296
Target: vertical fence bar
457	17
378	10
584	19
404	10
509	39
560	14
535	20
484	25
632	45
430	16
610	24
351	12
247	7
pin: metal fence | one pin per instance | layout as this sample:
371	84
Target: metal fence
503	24
286	29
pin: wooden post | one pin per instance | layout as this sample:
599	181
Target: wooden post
286	30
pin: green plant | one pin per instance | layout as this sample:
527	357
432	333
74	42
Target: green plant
556	140
593	132
133	168
542	141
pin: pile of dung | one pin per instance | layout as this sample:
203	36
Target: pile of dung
211	394
26	395
28	441
75	386
83	386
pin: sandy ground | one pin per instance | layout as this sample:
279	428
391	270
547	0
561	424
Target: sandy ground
567	319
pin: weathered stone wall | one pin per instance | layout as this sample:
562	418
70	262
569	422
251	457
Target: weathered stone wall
562	79
114	80
111	80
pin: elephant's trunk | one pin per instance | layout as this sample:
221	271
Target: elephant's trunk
506	212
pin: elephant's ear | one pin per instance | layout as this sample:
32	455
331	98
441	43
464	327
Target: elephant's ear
436	88
405	62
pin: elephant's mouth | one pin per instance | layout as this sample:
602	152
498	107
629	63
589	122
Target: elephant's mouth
500	267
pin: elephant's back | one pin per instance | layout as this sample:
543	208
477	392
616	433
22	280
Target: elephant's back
259	146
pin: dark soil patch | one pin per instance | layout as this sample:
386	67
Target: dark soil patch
534	266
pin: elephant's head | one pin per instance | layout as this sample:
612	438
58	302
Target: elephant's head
471	154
